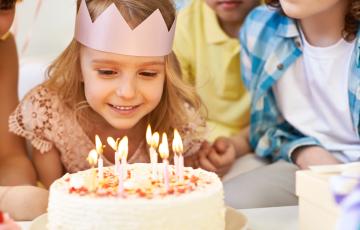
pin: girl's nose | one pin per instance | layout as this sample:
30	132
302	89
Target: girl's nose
127	88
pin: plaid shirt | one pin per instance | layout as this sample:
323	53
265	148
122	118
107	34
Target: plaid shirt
271	43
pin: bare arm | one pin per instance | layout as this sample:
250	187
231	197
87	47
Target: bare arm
15	167
48	166
313	155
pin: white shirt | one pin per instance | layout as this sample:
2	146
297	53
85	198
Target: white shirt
313	97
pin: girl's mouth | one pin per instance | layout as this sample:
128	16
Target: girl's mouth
124	110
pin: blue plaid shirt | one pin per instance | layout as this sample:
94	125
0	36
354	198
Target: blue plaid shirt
271	43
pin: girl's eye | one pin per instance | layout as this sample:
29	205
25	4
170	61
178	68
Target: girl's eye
148	74
106	72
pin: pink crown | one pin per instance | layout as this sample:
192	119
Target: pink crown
111	33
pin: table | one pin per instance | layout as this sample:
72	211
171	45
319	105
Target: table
273	218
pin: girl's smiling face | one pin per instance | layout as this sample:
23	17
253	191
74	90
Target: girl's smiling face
122	89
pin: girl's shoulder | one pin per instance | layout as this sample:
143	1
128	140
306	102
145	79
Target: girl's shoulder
38	117
40	93
43	102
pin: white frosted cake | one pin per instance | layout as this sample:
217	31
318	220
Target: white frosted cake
144	203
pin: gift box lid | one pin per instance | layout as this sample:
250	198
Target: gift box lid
315	188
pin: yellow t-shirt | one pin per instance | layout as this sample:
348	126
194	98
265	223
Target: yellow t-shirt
210	61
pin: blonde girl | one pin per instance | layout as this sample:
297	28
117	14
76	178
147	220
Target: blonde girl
90	91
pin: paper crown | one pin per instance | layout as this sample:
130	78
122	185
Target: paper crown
111	33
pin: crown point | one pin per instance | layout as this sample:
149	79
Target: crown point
111	33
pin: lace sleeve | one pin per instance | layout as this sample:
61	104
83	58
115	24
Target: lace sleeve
33	118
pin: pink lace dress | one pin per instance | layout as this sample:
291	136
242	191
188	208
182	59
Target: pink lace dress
46	122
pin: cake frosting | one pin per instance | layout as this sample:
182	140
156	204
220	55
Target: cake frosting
144	203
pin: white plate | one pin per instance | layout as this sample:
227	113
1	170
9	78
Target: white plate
234	221
39	223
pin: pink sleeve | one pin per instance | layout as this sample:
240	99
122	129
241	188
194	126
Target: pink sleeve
33	119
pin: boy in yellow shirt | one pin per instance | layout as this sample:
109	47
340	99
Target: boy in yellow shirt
207	46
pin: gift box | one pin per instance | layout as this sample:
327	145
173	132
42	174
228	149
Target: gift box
317	207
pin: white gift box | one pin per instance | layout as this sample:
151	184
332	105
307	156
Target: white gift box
317	207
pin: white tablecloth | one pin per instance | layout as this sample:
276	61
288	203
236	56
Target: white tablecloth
274	218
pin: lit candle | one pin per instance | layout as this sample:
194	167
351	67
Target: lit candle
153	142
177	147
114	145
121	180
154	155
164	153
99	150
176	163
91	177
123	152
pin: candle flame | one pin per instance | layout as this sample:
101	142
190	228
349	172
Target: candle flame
123	147
99	146
92	157
148	135
112	143
155	140
164	147
177	145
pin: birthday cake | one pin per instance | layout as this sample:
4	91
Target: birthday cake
196	202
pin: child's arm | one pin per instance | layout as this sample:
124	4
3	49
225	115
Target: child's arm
48	166
312	155
15	167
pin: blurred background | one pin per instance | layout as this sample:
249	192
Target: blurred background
43	29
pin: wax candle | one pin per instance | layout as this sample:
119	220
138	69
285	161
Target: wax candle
123	152
164	153
91	176
121	180
100	168
153	142
177	147
99	150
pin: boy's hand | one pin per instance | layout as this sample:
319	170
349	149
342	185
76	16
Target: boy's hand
217	157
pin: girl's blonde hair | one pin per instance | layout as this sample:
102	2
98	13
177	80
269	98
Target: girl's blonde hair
352	17
65	74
